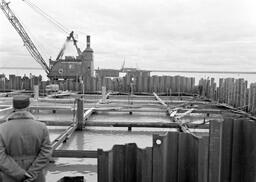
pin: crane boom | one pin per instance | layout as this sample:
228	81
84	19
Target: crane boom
23	34
71	36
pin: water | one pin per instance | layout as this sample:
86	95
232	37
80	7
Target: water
98	137
104	138
93	138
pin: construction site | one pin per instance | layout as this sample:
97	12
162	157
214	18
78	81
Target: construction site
127	125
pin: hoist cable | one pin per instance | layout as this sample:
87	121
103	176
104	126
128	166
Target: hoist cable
46	16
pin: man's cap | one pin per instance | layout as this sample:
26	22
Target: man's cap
20	101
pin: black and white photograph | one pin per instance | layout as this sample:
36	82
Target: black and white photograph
127	91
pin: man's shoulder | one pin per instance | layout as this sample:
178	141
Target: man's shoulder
3	126
39	123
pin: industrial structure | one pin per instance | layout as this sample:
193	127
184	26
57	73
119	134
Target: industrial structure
77	68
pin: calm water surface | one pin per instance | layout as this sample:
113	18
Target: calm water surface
94	138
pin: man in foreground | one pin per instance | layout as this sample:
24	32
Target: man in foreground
24	145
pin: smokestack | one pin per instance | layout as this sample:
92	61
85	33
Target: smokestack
88	41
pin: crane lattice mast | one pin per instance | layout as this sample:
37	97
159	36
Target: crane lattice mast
23	34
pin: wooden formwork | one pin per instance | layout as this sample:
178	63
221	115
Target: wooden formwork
234	159
141	84
234	92
167	159
228	154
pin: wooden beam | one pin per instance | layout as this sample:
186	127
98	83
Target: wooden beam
177	118
75	153
120	109
6	111
56	123
160	100
156	102
115	108
50	107
56	100
141	124
183	128
64	136
88	113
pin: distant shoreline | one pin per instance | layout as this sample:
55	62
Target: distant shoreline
166	71
220	72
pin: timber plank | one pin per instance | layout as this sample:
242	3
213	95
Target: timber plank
226	153
170	156
157	158
215	151
203	159
75	153
103	167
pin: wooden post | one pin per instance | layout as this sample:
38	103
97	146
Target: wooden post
94	85
187	158
167	84
151	84
215	151
157	160
140	83
80	114
103	166
130	163
170	156
173	84
243	151
144	165
36	92
117	164
103	94
226	149
161	84
146	84
220	99
203	159
36	95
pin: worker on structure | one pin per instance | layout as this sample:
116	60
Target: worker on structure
24	145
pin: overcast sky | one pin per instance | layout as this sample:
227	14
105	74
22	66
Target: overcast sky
148	34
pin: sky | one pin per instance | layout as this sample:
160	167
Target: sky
148	34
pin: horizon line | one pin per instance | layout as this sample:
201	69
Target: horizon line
170	71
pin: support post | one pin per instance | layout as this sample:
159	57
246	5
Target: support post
80	114
36	92
104	97
36	95
215	147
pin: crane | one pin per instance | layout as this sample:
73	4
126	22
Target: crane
24	36
71	36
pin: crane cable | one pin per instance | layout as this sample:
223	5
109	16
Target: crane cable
46	16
